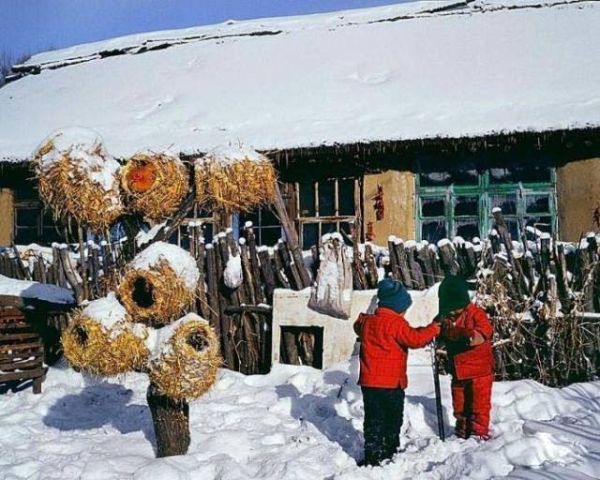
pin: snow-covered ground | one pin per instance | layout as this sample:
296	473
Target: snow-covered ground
295	423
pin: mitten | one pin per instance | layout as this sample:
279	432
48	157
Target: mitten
455	334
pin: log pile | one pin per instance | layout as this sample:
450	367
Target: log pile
21	350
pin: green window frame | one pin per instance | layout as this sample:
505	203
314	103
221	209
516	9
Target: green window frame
452	209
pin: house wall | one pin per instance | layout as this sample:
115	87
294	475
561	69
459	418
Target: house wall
578	195
6	216
399	205
289	309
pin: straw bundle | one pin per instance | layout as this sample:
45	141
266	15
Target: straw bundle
102	340
78	179
187	363
155	184
234	179
159	284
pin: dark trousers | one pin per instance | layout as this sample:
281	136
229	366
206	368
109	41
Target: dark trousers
384	410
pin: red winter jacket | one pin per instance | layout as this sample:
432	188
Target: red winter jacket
478	361
385	339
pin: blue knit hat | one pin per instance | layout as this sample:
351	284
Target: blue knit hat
392	294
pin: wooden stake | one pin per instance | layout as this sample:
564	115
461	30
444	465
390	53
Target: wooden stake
171	419
291	236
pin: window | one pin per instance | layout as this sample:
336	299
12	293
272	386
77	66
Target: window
460	203
182	236
32	223
325	206
267	228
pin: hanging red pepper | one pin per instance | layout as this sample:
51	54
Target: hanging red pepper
379	206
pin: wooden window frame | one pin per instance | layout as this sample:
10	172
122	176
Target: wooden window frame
259	228
181	232
318	219
40	226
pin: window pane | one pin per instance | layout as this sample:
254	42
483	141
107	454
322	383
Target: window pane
346	197
508	203
268	218
48	219
434	179
307	199
25	235
310	235
513	227
328	228
516	174
433	230
433	206
207	232
466	206
537	203
346	227
467	176
252	216
49	235
543	224
327	198
174	237
467	228
28	217
269	236
184	237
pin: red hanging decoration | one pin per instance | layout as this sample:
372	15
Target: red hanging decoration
379	206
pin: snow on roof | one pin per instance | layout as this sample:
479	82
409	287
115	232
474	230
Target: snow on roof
392	73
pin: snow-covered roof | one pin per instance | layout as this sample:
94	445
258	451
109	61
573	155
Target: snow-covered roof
419	70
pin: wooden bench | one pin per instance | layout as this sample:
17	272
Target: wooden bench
21	350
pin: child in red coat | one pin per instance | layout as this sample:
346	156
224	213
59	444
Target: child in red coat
385	339
467	333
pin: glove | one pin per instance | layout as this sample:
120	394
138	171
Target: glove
457	339
455	334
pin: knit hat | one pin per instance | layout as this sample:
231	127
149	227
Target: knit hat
453	294
392	294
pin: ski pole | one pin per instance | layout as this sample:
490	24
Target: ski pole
438	395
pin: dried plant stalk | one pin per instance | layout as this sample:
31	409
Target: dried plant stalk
155	296
89	346
188	363
237	185
78	181
154	184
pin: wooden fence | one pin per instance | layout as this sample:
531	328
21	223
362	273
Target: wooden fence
242	316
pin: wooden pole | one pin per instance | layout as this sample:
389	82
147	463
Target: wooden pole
171	419
372	275
291	236
267	273
416	273
254	263
83	264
